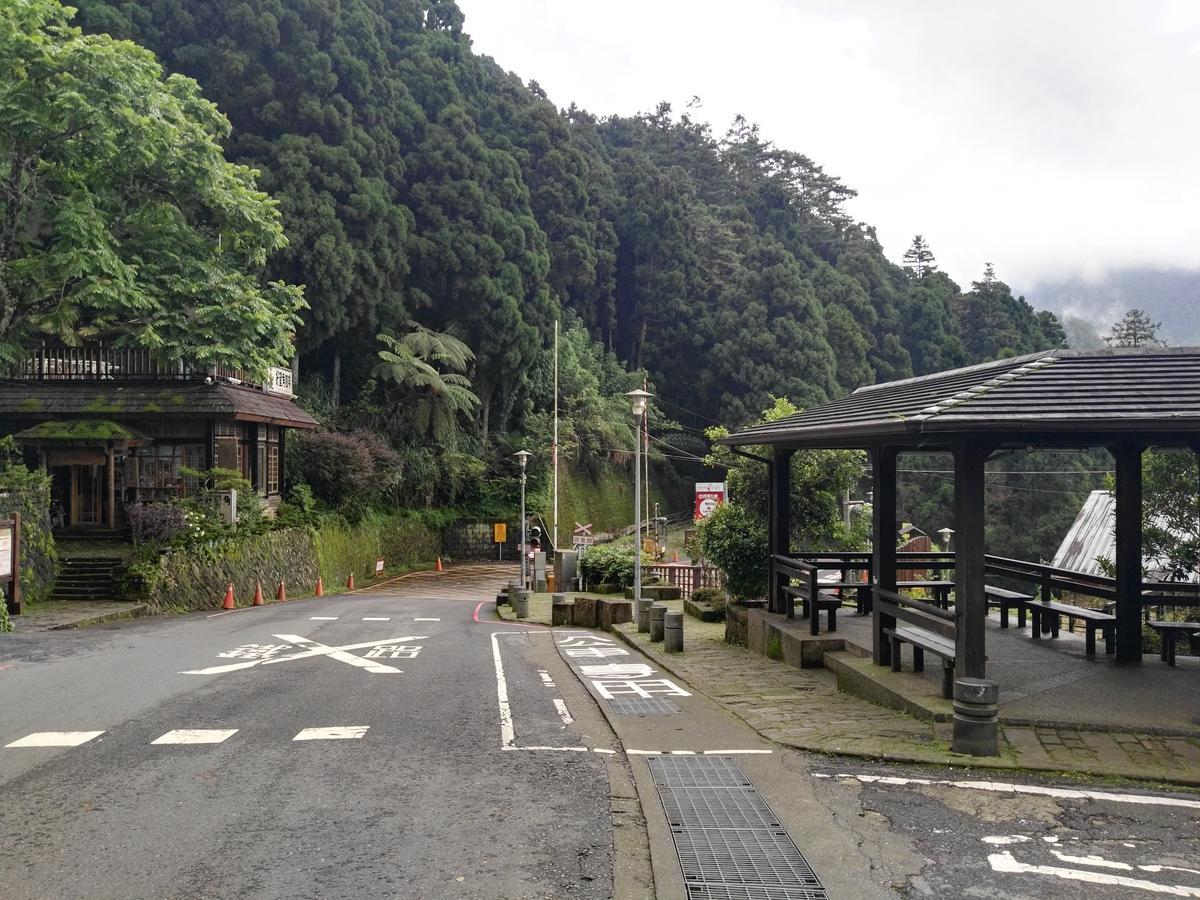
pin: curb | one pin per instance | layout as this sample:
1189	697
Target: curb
956	761
137	612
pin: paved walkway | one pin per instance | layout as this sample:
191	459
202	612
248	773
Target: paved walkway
803	708
50	615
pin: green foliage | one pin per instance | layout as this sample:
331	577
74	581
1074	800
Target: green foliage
1136	329
349	472
1170	510
404	541
121	218
433	393
5	622
610	564
735	540
27	491
299	510
714	597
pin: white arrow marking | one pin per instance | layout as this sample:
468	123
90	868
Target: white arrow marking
318	650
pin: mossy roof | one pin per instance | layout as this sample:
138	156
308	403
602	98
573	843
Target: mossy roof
78	430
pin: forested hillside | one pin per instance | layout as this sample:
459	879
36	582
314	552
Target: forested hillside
420	183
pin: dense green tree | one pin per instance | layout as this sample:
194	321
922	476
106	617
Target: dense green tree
919	258
994	324
427	367
120	218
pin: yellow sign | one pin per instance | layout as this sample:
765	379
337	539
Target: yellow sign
499	533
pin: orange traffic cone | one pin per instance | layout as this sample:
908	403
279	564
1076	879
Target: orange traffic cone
320	587
258	600
229	603
438	566
350	582
281	592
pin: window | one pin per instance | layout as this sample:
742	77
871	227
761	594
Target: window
272	468
159	467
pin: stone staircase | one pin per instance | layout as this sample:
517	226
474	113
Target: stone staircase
88	578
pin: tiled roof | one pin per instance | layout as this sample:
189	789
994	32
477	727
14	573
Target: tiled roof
38	400
1060	390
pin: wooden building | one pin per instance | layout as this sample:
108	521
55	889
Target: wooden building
114	427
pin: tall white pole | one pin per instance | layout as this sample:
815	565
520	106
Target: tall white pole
554	449
524	581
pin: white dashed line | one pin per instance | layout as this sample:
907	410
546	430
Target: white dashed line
322	618
379	619
563	712
196	736
55	739
427	620
334	733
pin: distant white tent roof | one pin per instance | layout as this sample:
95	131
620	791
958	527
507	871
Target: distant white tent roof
1092	536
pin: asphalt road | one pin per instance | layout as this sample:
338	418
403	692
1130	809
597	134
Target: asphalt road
389	744
415	798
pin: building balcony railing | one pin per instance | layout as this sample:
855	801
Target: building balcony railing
98	362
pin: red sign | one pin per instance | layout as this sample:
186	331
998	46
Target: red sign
708	495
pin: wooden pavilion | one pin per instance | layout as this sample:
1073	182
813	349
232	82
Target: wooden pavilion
1125	400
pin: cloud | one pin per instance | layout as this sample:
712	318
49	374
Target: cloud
1053	139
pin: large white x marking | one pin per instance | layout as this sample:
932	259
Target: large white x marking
318	649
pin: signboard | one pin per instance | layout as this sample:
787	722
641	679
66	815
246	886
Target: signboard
708	495
379	567
279	381
6	551
582	536
10	558
499	533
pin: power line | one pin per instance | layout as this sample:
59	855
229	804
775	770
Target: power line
1015	472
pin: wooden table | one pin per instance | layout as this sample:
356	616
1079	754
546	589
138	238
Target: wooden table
1169	632
941	589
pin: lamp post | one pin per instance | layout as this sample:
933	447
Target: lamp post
523	456
946	534
637	402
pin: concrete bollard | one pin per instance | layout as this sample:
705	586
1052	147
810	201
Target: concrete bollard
561	610
642	612
976	720
673	632
658	612
521	604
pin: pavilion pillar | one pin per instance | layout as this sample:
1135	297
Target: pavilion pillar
779	516
970	601
1128	551
111	487
883	544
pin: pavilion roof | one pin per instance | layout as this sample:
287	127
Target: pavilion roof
1058	392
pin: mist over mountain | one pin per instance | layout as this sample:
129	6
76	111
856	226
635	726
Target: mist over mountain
1169	296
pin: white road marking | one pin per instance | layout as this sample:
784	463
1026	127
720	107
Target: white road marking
55	739
559	749
1004	862
320	650
323	618
1002	787
546	679
1092	860
507	738
333	733
427	620
196	736
738	752
563	712
379	619
375	668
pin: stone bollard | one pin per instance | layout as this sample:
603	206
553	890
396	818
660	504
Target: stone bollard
521	604
658	612
561	610
976	722
642	612
673	632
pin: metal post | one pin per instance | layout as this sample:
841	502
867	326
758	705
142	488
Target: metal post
637	516
523	456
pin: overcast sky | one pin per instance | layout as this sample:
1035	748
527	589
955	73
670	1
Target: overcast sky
1051	138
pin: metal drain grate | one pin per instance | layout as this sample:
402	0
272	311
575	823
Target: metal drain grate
641	706
730	844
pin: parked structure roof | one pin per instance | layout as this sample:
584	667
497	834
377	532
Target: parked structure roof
34	400
1134	390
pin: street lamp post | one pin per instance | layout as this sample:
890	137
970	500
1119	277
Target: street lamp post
637	402
523	456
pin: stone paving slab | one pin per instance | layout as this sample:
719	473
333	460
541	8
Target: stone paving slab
802	708
52	615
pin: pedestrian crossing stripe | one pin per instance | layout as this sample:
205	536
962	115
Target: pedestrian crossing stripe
55	739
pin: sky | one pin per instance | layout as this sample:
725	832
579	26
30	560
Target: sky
1054	139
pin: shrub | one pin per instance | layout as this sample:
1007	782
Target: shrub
5	622
736	543
346	471
714	597
299	510
27	491
610	564
153	523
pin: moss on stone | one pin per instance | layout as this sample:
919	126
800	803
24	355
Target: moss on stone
103	404
30	404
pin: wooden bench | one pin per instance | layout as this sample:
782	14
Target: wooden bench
923	641
1170	632
1092	620
1006	600
826	603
